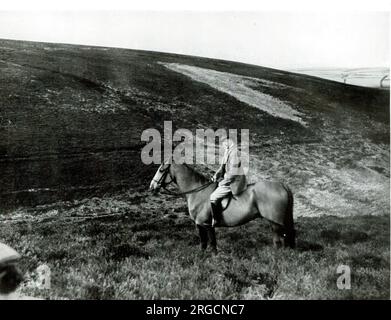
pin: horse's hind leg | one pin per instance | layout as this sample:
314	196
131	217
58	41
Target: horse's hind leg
290	238
212	238
278	235
203	236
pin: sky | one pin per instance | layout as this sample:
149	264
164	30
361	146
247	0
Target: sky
285	40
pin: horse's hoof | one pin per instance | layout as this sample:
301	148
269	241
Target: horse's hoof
203	248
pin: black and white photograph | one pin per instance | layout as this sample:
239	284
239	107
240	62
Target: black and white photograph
180	153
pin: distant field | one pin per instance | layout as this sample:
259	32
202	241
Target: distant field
366	77
73	190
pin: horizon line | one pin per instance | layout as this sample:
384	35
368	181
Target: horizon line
284	68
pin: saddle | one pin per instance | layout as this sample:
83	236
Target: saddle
226	201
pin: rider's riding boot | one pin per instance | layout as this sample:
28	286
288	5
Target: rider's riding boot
216	211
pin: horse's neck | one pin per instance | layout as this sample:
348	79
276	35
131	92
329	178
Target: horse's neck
186	179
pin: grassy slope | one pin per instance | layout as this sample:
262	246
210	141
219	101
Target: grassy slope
141	252
71	120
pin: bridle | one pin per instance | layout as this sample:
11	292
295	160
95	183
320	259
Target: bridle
161	184
166	171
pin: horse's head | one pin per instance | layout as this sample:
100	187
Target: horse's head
161	178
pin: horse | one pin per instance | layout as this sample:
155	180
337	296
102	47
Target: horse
270	200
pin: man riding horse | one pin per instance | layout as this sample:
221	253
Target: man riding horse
271	200
230	177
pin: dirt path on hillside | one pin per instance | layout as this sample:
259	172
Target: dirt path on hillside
240	87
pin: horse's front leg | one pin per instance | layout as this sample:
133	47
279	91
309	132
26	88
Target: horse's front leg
212	238
203	236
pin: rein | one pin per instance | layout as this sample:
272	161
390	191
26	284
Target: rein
204	186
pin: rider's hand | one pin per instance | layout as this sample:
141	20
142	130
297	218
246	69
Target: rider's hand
214	178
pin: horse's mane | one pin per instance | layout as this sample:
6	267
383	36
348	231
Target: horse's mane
199	176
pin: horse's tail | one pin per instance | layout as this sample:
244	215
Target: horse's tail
290	238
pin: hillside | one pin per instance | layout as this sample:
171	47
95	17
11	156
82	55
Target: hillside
71	119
